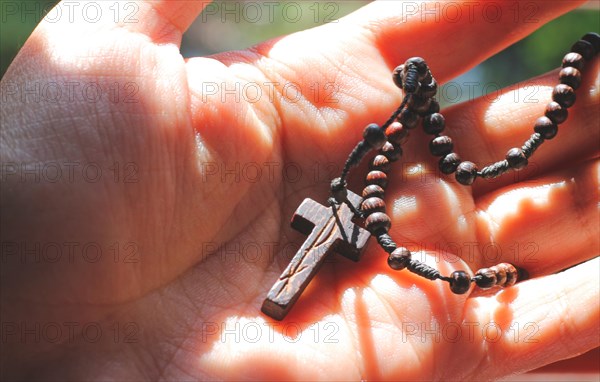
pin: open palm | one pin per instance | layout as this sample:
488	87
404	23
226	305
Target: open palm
188	224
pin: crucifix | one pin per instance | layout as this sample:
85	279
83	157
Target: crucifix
329	229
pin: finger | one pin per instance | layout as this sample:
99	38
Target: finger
166	21
395	31
542	225
485	129
438	31
340	72
538	321
162	21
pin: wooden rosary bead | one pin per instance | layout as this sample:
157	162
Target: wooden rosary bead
516	159
371	205
485	278
564	95
545	127
570	76
418	104
466	172
374	136
500	274
460	282
377	177
378	222
399	258
585	48
573	60
428	78
449	163
434	107
398	75
557	113
511	274
396	133
409	119
441	146
392	152
594	39
373	191
428	89
434	123
380	163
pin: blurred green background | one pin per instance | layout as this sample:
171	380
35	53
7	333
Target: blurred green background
228	25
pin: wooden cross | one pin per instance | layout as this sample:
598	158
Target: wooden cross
330	230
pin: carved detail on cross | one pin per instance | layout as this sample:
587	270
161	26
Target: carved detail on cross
329	229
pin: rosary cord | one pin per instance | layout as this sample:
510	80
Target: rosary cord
494	170
363	147
415	78
423	270
395	115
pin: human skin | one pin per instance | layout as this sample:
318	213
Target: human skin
356	321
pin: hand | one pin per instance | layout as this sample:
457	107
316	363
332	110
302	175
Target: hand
168	256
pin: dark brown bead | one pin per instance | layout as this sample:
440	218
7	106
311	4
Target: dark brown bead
585	48
374	135
373	191
460	282
485	278
440	146
500	274
545	127
556	113
399	258
396	133
511	274
516	159
409	119
570	76
398	76
564	95
391	151
378	222
428	77
594	39
380	163
377	177
466	172
434	123
419	104
449	163
371	205
574	60
428	89
434	107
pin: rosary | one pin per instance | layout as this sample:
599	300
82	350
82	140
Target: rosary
331	229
